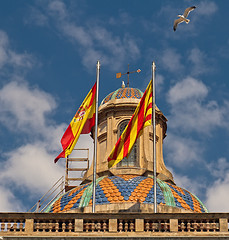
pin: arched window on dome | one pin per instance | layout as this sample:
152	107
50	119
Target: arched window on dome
132	160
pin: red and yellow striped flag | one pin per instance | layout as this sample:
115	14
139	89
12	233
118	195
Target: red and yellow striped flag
140	119
81	123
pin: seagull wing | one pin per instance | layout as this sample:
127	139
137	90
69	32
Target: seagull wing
176	22
188	10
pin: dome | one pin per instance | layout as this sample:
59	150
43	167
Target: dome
123	93
127	189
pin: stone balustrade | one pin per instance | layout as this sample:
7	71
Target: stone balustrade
114	224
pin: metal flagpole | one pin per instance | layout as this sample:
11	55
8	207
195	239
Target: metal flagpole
95	137
154	137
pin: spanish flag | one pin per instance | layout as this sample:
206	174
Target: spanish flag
140	119
81	123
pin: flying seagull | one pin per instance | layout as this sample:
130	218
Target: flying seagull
183	18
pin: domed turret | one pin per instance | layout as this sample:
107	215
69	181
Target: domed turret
123	93
129	185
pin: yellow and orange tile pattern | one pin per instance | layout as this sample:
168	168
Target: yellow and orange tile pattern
128	188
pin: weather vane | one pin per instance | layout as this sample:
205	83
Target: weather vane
118	75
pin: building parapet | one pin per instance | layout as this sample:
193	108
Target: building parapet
120	224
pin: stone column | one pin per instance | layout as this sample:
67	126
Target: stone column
78	225
29	226
139	225
173	225
223	225
113	225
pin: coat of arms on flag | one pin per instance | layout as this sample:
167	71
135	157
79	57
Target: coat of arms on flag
81	123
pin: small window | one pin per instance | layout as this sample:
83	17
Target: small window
132	160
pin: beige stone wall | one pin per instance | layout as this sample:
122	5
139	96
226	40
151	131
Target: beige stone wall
130	207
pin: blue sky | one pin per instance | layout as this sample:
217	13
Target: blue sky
48	55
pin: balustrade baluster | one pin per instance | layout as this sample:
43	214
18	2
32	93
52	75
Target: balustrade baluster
87	226
92	226
8	226
147	225
201	226
182	226
104	226
98	226
43	226
126	226
57	226
63	227
166	226
153	226
195	226
15	226
70	226
2	226
21	226
131	225
207	226
214	226
50	226
38	225
188	225
120	226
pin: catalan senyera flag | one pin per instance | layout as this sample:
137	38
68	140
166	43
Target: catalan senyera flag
81	123
141	118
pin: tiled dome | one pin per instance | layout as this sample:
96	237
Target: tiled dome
127	188
123	93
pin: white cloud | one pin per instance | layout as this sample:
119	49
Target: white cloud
200	63
206	8
189	107
58	7
93	40
31	167
218	195
181	151
219	168
10	57
28	168
77	33
217	192
159	81
36	17
24	107
189	89
9	202
171	60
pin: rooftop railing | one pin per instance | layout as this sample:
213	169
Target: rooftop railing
114	224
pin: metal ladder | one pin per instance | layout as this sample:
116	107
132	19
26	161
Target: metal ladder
74	165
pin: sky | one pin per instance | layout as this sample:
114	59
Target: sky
48	55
